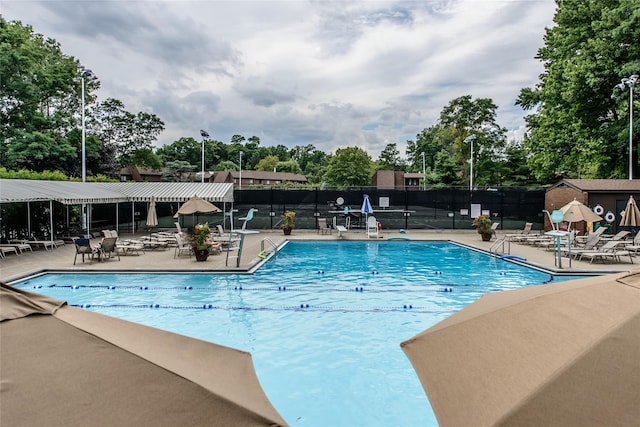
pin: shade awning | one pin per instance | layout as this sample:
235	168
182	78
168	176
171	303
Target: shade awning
70	193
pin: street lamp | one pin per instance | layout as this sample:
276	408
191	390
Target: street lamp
424	173
85	73
204	135
631	82
470	140
240	179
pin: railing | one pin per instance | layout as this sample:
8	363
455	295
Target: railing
263	251
495	248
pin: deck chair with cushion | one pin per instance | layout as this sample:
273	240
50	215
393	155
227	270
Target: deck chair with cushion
83	247
323	228
372	227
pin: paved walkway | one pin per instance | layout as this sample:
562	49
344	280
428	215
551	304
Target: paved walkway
14	267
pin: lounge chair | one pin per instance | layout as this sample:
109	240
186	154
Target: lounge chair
46	244
515	237
635	244
372	227
323	228
83	247
6	249
608	251
20	247
621	235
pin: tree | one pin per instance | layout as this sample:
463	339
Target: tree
268	163
576	128
37	87
350	166
390	158
290	166
132	134
178	171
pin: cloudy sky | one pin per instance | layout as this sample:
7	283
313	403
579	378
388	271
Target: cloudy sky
297	72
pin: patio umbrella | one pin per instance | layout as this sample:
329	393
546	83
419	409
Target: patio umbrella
366	208
68	366
561	354
152	216
575	212
631	217
196	205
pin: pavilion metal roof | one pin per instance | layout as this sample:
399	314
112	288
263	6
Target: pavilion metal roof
67	192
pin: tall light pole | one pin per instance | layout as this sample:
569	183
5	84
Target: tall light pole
204	135
424	172
240	179
470	140
631	82
85	73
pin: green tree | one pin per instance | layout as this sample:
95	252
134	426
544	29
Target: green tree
390	158
268	163
350	166
226	165
132	134
290	166
576	128
178	171
38	84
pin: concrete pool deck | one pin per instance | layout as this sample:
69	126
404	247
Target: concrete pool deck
15	267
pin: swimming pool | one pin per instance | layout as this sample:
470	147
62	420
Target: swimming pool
323	320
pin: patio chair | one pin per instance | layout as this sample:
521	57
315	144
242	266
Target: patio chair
83	247
323	228
108	247
372	227
182	247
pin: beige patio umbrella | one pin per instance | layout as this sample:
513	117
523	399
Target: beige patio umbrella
152	216
565	354
631	217
196	205
67	366
575	212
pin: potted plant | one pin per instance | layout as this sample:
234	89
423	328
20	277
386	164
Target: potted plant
483	226
288	222
200	241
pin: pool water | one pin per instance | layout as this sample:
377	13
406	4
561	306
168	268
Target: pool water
322	320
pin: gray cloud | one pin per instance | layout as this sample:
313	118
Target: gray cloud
331	74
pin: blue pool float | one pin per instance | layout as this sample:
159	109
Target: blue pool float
519	258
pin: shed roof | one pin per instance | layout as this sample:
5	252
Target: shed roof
600	185
69	193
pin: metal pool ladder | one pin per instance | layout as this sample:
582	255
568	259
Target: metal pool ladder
498	246
263	251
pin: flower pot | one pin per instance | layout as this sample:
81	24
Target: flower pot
287	230
486	236
201	254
